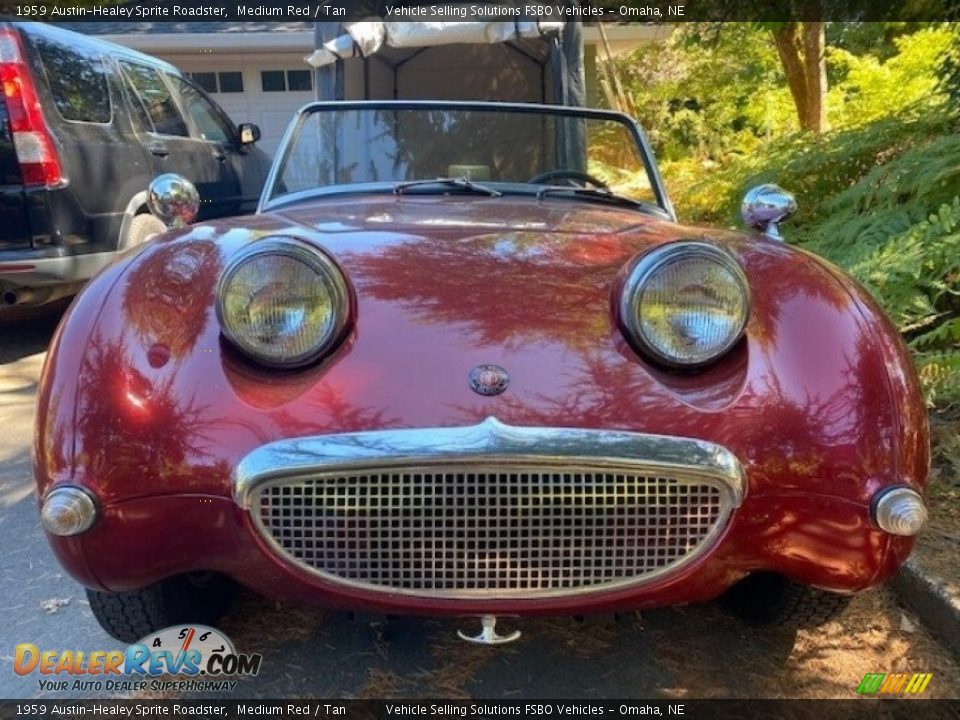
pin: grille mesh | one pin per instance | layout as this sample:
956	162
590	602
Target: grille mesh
500	531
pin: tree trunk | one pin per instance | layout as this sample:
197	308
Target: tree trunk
801	47
788	48
814	47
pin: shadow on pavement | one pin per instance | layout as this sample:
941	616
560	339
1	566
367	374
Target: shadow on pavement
27	331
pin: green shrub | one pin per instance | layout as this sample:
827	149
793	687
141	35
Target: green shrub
869	88
915	274
818	169
948	73
880	201
877	195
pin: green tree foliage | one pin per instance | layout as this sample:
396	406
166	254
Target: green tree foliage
869	87
708	91
713	91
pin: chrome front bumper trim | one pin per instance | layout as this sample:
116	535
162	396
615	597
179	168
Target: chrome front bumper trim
488	443
374	535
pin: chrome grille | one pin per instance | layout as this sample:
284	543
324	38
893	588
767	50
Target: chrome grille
510	531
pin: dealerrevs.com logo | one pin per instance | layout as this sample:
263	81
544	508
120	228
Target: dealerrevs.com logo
203	654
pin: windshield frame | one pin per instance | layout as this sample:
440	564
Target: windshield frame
267	203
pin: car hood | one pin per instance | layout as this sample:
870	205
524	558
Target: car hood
441	286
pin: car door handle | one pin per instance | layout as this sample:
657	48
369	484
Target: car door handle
158	149
219	155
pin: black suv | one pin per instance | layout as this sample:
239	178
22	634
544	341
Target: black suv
85	125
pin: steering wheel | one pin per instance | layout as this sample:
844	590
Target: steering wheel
564	174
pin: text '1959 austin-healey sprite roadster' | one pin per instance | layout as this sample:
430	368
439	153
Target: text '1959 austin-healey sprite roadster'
463	361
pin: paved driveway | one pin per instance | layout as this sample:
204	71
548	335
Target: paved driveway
682	653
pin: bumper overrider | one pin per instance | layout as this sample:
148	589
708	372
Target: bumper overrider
488	518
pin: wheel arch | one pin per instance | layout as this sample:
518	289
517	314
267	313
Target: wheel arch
136	206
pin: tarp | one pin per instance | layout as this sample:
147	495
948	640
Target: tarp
518	61
363	39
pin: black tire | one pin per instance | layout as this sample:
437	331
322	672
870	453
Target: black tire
201	598
766	599
141	229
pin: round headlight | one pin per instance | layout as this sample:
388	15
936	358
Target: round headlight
685	304
282	302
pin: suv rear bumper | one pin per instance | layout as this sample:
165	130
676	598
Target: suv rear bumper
49	266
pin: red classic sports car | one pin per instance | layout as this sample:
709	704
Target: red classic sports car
463	361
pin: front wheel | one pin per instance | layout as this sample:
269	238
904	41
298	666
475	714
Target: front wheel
142	228
766	599
200	598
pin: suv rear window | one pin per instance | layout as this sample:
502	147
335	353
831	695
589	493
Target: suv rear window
157	101
77	81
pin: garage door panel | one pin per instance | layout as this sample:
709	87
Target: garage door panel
275	115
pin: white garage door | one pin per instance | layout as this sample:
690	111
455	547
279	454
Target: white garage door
263	89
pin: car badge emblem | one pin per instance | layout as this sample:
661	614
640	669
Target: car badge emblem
489	379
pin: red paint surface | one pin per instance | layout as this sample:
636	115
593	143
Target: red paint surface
819	402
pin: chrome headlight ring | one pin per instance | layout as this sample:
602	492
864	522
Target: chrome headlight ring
700	310
282	302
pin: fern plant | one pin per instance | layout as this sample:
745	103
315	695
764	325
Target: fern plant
915	274
881	202
896	229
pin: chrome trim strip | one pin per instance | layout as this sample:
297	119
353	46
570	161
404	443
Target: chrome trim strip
489	443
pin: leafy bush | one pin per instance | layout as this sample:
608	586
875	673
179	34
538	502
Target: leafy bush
881	202
948	74
867	88
713	92
915	274
708	92
815	168
877	196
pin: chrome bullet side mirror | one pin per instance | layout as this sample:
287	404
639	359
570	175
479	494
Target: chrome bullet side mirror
173	200
765	207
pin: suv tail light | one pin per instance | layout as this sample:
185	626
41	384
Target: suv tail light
39	163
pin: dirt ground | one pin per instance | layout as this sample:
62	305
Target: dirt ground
694	652
939	548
